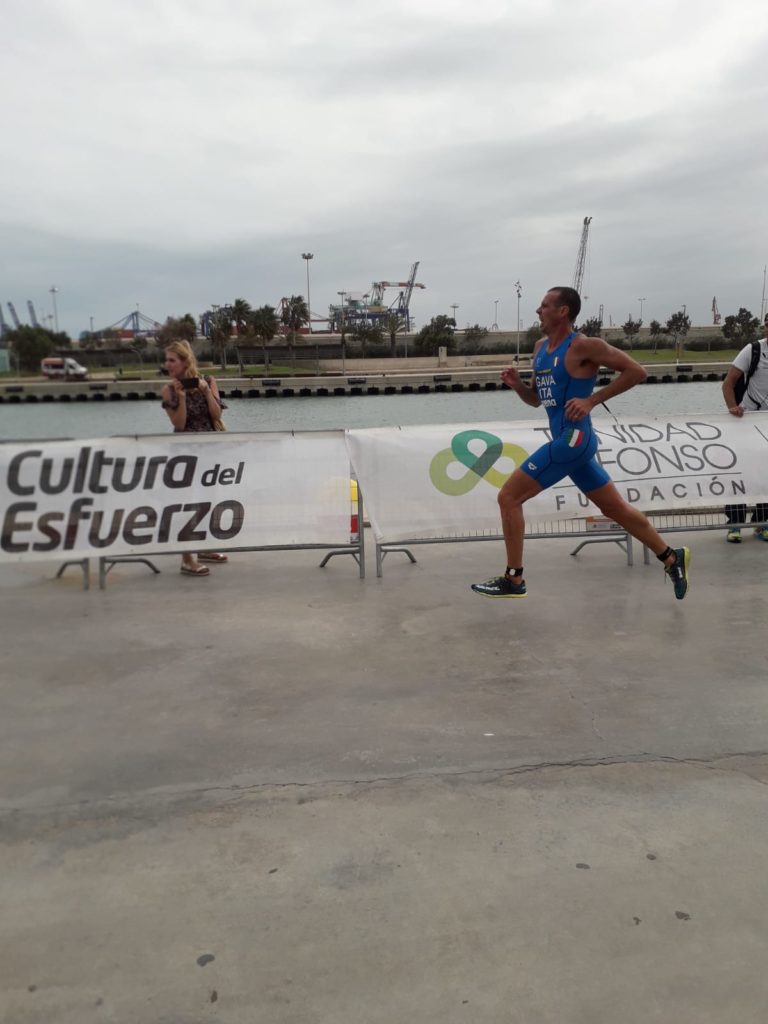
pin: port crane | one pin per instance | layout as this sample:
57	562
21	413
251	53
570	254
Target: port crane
134	325
716	318
581	259
14	315
371	307
32	313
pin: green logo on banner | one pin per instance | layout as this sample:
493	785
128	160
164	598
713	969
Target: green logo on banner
479	467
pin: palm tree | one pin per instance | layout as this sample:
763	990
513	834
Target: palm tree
656	330
183	327
365	334
264	323
221	331
241	312
393	325
294	314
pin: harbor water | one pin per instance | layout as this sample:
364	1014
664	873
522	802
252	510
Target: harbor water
89	419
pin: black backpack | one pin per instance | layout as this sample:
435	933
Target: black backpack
741	385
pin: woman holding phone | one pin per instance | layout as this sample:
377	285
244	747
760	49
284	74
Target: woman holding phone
193	405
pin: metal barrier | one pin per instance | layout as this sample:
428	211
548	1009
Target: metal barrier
557	529
589	530
355	548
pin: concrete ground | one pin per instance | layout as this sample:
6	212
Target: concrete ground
283	794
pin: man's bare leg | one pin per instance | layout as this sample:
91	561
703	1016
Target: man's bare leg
512	496
518	489
676	561
612	505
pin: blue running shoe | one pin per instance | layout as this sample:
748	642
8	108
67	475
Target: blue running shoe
678	572
500	586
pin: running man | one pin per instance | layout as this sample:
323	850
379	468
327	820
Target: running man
565	367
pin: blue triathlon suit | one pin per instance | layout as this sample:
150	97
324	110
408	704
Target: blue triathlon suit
571	452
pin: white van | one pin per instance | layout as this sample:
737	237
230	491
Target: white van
63	368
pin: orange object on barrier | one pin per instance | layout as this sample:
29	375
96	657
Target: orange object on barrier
354	524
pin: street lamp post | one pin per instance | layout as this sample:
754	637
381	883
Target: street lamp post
53	289
641	301
343	338
308	256
519	290
454	307
495	324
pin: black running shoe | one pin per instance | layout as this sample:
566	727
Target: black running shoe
678	572
500	586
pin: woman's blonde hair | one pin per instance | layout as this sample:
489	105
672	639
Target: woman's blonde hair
183	350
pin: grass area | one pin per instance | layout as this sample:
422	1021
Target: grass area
150	370
207	369
667	355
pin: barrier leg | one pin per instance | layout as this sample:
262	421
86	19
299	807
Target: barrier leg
358	550
106	564
382	552
84	564
623	540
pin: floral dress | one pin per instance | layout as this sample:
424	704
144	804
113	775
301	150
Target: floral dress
198	413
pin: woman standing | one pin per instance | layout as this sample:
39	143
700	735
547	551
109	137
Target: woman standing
193	405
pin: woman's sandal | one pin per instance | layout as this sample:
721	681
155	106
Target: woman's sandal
197	570
212	556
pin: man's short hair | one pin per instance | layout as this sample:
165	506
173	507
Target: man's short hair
570	298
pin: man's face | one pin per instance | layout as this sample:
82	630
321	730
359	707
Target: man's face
552	312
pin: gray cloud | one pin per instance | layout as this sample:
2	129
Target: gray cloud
180	155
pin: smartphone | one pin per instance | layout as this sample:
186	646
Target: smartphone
189	382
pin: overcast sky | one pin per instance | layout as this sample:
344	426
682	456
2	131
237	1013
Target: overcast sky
179	153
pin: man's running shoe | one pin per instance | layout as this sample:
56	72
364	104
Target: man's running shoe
678	572
762	533
500	586
734	536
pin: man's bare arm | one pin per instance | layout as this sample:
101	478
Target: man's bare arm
729	394
527	392
630	372
597	352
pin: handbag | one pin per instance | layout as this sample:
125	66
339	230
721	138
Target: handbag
216	421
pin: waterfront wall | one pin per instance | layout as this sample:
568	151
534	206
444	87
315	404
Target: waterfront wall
392	382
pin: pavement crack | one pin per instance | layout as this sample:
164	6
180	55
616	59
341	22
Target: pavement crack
127	804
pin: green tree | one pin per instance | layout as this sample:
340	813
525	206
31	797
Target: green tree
437	333
263	324
741	329
475	334
631	328
294	314
678	326
241	314
367	334
220	332
655	330
181	328
592	327
393	325
30	345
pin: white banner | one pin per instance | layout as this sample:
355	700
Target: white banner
443	481
178	492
